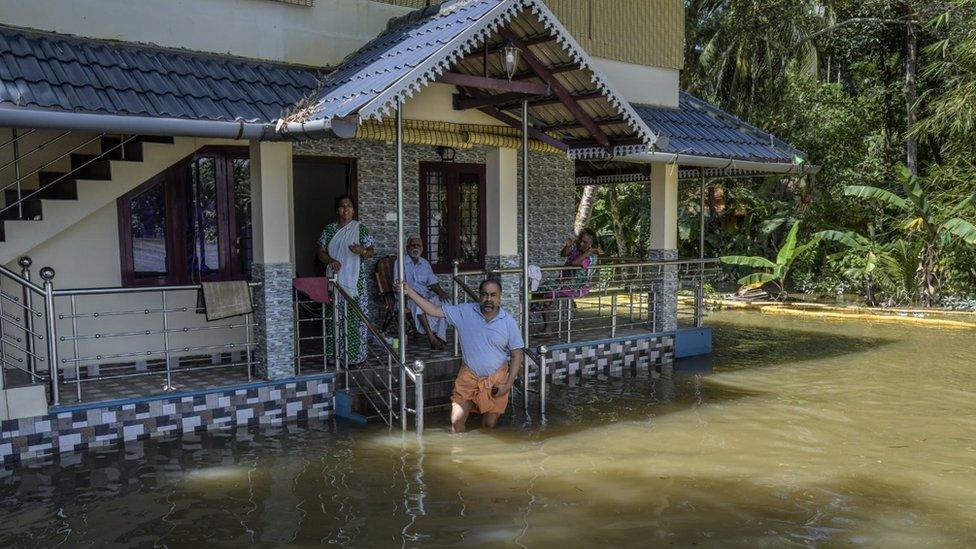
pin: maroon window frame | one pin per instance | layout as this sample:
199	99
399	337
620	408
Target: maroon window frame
452	173
174	182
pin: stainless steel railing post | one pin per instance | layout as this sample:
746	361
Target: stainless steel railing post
298	333
74	345
525	383
335	326
569	320
47	274
543	351
166	352
247	344
454	281
345	339
28	296
418	405
613	315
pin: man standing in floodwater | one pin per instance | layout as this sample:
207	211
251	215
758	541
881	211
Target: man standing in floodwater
489	336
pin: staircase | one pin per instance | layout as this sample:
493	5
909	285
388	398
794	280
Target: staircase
91	175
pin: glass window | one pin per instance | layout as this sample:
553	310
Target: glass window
190	223
147	225
452	214
203	248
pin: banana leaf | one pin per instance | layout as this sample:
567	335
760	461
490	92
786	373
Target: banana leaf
874	193
748	261
756	280
961	228
789	246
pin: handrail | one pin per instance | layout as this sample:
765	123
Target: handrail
49	184
40	147
350	302
413	372
467	289
18	137
663	262
133	290
21	280
52	161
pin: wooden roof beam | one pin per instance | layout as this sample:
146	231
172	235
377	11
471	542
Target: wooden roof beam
484	100
530	40
516	123
557	89
472	81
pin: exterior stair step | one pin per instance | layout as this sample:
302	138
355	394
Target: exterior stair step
111	149
66	189
30	210
85	166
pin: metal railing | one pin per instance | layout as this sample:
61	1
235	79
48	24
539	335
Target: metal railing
81	336
21	180
608	300
373	371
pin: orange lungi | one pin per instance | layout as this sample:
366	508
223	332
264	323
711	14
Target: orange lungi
468	386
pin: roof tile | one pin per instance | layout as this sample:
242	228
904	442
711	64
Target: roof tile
45	70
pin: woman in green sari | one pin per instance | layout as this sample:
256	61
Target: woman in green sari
342	247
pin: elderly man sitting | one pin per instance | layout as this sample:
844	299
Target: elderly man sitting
420	276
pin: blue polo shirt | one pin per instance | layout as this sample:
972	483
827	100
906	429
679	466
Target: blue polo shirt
485	345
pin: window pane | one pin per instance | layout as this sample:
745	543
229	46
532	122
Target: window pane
469	247
242	211
437	219
204	234
147	224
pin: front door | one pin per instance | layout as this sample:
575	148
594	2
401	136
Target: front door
318	182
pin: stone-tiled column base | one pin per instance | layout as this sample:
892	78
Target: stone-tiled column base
665	302
274	320
511	283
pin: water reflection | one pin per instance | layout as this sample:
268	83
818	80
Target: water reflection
842	434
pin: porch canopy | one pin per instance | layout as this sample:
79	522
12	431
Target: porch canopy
571	106
704	141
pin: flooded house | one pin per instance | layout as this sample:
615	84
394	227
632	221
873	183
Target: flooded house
148	151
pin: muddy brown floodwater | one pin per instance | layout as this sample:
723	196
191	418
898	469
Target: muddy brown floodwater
796	432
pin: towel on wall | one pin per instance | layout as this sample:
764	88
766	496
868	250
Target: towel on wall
226	299
315	287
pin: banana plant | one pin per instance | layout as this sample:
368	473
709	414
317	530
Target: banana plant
776	271
888	266
933	229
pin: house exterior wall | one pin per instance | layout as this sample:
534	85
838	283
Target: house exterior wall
643	32
319	36
552	194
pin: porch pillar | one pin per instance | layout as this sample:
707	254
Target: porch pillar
502	221
664	244
273	234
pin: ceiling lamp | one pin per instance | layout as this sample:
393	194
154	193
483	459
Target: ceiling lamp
510	58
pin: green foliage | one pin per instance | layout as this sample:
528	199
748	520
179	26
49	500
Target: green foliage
778	270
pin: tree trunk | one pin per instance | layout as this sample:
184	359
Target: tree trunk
585	208
911	117
927	275
619	235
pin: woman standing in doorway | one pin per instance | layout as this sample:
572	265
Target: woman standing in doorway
342	247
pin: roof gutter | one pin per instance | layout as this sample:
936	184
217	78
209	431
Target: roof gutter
719	163
143	125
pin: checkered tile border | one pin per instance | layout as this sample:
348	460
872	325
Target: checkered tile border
253	404
611	357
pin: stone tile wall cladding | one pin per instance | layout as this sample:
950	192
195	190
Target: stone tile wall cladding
80	427
552	193
612	357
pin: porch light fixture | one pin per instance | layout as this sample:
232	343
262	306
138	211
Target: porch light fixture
446	153
510	58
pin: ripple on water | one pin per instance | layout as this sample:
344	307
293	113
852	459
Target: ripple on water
795	432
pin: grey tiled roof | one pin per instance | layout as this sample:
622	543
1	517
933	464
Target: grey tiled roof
50	71
699	129
409	43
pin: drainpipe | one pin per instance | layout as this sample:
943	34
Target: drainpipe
720	163
143	125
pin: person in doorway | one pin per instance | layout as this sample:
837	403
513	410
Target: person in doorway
420	276
342	247
581	253
491	353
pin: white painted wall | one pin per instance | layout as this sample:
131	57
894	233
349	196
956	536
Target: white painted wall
641	84
320	35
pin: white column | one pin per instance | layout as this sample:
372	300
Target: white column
664	244
502	221
501	174
273	231
664	206
272	202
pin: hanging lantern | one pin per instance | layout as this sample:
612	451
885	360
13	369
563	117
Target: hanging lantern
510	58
